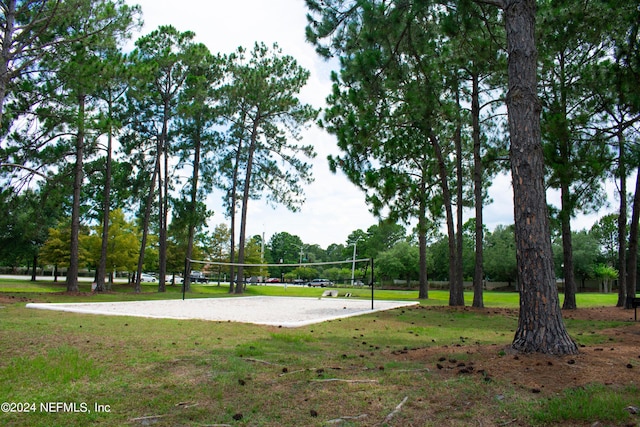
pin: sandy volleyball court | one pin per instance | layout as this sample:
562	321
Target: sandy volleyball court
276	311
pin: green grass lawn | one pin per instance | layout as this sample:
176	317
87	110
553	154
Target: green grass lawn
125	292
81	370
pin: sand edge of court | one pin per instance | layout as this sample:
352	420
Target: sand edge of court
288	312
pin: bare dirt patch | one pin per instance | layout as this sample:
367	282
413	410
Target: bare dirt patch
13	299
615	362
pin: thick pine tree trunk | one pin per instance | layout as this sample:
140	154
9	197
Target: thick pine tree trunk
74	261
423	292
194	202
456	292
245	202
34	272
478	271
632	262
540	325
622	222
163	198
233	207
106	209
456	295
459	280
570	287
5	54
145	225
232	245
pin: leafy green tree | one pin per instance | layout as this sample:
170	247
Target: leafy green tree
401	262
216	246
439	252
382	237
178	236
622	136
163	60
253	255
305	273
25	221
315	253
123	245
392	113
478	62
572	42
115	83
58	73
229	167
95	26
56	249
335	252
540	327
468	250
619	97
500	255
197	141
586	254
605	231
261	104
607	274
31	30
284	249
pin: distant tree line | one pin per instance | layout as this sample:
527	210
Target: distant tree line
394	251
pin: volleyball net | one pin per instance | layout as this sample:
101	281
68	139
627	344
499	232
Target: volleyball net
350	274
353	272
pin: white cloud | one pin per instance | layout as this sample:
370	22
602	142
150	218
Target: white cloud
500	211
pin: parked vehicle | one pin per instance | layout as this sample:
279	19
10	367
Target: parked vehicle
197	277
145	277
320	283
